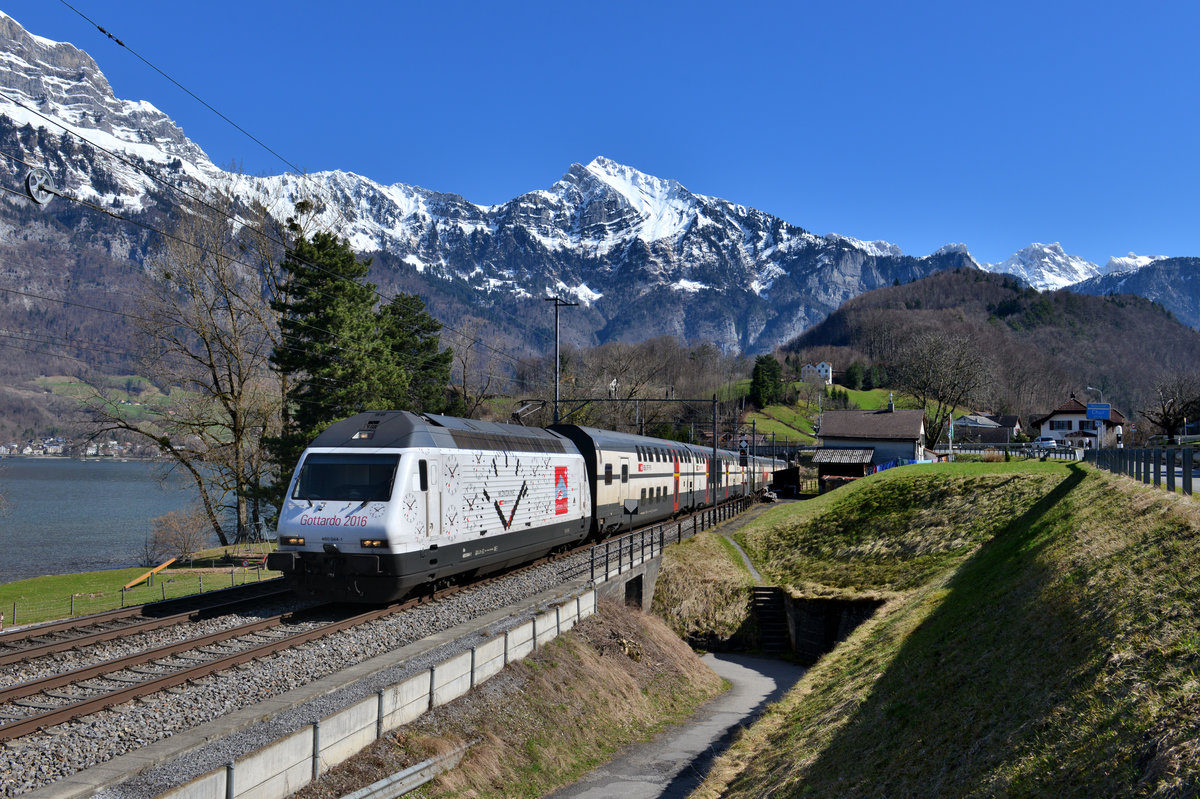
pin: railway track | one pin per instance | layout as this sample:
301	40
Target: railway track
62	697
29	643
36	704
40	703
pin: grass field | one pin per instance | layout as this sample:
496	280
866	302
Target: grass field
47	598
1038	638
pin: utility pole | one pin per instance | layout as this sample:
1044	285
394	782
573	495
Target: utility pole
558	303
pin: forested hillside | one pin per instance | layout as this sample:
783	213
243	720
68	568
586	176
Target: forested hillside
1038	346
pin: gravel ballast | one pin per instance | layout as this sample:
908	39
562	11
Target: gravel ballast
39	760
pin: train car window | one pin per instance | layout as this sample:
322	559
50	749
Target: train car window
423	474
608	474
624	472
334	476
643	495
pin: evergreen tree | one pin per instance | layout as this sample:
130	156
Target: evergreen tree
766	386
854	376
411	336
339	356
329	348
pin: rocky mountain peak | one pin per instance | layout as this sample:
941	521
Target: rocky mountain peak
53	82
1046	267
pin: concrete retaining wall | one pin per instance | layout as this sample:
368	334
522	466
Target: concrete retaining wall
290	763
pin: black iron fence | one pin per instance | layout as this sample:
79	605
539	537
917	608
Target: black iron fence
1168	467
1024	450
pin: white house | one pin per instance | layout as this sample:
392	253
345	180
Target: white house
821	373
1069	422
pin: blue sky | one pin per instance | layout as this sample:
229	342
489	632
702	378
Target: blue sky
993	124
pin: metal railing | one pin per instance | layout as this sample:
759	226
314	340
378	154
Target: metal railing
614	556
1170	467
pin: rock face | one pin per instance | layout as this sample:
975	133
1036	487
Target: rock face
645	256
1173	283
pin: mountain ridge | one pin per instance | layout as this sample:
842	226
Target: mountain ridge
643	254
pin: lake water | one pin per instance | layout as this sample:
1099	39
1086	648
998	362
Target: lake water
64	515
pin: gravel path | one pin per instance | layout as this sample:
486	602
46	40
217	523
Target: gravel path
42	758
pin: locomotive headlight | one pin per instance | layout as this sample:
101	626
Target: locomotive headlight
373	543
291	541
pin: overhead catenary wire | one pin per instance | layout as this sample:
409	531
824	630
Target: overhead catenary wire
158	231
175	188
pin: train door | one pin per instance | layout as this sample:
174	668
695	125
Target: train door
427	477
675	487
624	492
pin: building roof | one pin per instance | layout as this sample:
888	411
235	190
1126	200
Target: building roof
975	420
843	456
881	424
1074	406
1005	419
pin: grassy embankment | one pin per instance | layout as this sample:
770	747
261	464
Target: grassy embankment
1038	639
703	593
545	721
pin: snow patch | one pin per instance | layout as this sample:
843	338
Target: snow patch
878	249
689	286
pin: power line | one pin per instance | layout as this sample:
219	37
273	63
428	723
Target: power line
190	93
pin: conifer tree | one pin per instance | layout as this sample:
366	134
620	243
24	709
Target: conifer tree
339	356
766	381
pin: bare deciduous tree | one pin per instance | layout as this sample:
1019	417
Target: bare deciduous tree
207	330
474	368
940	371
1175	399
180	533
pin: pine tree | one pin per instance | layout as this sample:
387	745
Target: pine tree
411	336
339	356
766	386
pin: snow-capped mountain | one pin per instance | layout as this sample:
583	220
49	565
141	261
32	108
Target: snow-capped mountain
644	255
1129	263
1046	267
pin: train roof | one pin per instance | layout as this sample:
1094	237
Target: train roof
403	429
611	439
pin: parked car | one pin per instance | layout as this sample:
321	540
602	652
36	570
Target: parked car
1045	442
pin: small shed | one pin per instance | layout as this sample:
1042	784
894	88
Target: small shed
836	466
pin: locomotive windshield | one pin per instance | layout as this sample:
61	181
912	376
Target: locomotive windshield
334	476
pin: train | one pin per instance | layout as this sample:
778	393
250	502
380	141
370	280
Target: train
386	503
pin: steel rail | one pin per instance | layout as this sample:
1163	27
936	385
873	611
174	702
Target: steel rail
24	689
48	718
16	729
52	647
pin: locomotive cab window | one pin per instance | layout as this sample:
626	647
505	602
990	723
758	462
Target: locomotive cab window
334	476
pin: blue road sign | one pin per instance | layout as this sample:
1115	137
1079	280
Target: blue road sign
1099	410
